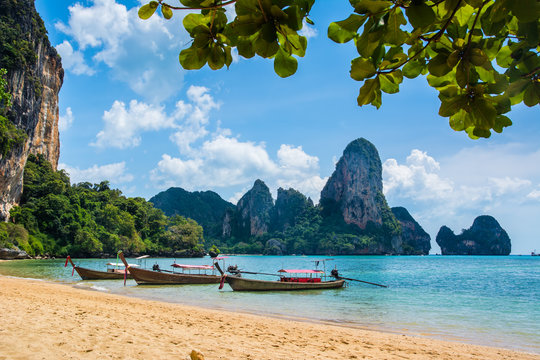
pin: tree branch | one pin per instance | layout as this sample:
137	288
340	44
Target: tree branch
435	37
161	2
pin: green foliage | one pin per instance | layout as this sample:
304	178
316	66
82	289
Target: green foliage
12	235
481	56
92	219
10	136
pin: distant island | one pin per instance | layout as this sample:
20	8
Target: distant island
484	237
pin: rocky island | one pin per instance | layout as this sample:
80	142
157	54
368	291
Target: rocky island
484	237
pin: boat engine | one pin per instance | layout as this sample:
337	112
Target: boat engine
233	269
335	273
156	267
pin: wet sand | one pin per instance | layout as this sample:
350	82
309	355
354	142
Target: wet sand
41	320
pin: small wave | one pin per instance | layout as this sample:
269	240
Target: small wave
90	287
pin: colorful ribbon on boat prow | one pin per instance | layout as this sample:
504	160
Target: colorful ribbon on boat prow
222	281
69	259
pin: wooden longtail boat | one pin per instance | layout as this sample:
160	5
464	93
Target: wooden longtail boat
165	277
112	273
286	283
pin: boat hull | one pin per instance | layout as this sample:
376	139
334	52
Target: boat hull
89	274
150	277
242	284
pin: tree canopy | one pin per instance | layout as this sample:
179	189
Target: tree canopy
86	219
480	55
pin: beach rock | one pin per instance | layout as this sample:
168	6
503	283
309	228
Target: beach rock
355	187
34	80
12	254
196	355
414	240
290	206
484	237
253	210
275	247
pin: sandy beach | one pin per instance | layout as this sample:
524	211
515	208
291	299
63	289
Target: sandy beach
41	320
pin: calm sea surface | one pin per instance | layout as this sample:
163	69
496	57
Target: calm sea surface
481	300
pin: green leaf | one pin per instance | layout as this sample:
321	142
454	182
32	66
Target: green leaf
264	48
361	69
501	122
438	66
345	30
390	82
370	93
477	57
216	58
294	18
413	68
245	48
371	6
420	16
504	58
463	15
284	64
451	106
368	42
148	10
394	35
531	97
517	87
474	3
193	58
192	21
525	10
166	11
462	74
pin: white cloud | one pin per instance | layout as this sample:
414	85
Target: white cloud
65	121
142	53
534	195
212	157
116	173
308	31
73	60
124	125
475	181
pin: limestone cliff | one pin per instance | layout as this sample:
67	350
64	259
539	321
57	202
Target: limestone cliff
484	237
253	210
354	193
290	206
355	185
415	241
35	76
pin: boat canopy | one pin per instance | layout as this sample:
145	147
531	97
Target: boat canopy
194	267
221	257
300	271
142	257
120	264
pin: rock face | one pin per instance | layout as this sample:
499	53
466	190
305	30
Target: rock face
34	79
414	240
290	205
484	237
12	254
354	187
253	210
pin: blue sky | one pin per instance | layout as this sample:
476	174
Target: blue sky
129	114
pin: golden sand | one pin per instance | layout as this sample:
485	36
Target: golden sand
41	320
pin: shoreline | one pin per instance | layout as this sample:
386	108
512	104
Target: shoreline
48	320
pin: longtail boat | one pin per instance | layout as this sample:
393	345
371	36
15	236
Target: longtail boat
290	279
158	276
112	272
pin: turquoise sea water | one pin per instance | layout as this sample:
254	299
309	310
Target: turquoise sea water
481	300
